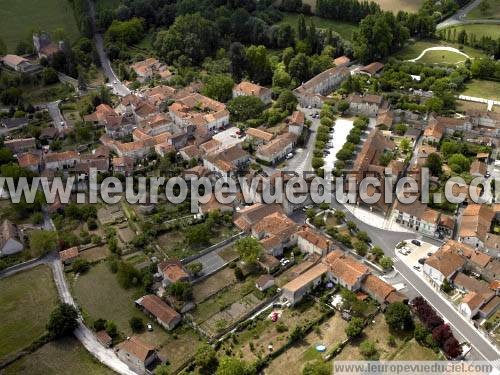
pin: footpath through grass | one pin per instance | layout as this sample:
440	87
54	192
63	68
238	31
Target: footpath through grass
19	18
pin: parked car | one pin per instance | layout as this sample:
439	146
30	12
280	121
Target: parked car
274	316
421	260
416	242
289	156
150	327
417	268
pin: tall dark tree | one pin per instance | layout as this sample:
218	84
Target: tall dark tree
239	61
302	28
63	321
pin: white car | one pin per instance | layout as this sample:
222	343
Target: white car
289	156
150	327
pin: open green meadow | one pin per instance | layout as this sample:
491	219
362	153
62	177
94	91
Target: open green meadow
19	18
345	29
483	89
412	51
492	12
479	30
26	301
64	356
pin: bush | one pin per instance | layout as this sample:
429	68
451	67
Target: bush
355	327
136	324
62	321
80	266
368	350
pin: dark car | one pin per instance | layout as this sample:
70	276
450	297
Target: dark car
416	242
421	260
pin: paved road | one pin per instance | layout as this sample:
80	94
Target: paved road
56	115
82	333
118	87
459	17
301	162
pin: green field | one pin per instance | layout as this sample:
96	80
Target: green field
492	13
483	89
345	29
392	5
412	51
26	301
65	356
479	30
100	296
19	18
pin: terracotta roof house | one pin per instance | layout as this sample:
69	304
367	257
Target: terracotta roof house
61	160
197	111
372	69
476	224
490	307
268	263
138	355
68	256
245	88
470	284
44	46
104	338
228	161
470	304
478	168
341	61
147	68
20	64
368	105
245	218
258	135
381	291
275	232
434	131
264	282
442	265
276	149
345	270
417	216
296	122
190	152
163	313
31	161
10	239
172	271
295	290
310	241
20	145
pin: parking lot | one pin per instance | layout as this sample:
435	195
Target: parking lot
411	253
229	137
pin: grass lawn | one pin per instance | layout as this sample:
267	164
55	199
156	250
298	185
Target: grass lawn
494	12
21	17
406	5
483	89
35	292
413	351
441	57
412	51
65	356
480	30
345	29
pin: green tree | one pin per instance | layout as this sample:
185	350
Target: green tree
287	101
459	163
219	87
243	108
162	370
181	290
206	359
386	262
80	266
435	164
400	129
195	268
231	366
259	67
299	68
398	316
355	327
342	106
42	242
317	367
368	350
249	249
198	234
62	321
484	7
136	324
302	28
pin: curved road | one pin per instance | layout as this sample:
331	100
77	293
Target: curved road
459	17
